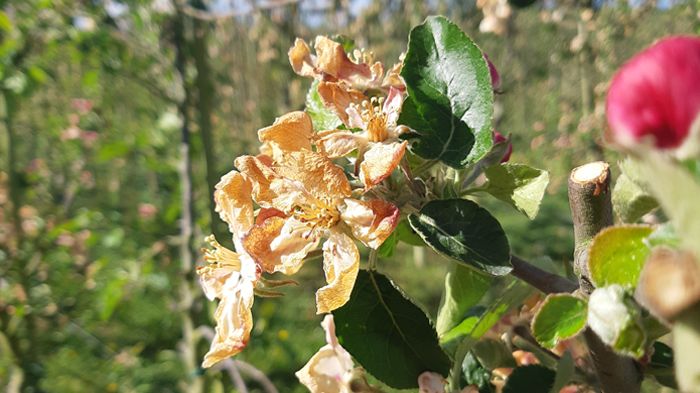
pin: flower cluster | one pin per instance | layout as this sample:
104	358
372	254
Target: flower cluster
293	198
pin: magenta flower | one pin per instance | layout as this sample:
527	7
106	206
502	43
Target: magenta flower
656	95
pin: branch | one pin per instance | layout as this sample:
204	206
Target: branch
257	375
591	211
542	280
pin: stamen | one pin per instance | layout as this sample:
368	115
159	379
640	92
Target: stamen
220	256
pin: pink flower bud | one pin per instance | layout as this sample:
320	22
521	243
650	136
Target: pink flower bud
656	95
495	76
498	138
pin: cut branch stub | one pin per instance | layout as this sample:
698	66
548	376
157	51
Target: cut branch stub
591	211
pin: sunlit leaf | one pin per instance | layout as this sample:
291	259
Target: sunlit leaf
617	255
560	317
450	101
519	185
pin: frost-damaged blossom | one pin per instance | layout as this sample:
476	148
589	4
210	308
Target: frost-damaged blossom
656	96
304	197
332	64
378	147
230	276
331	368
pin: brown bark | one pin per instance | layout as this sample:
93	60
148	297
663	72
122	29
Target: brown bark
591	211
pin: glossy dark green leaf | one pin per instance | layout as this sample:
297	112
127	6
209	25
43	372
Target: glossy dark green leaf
387	334
466	232
661	365
450	101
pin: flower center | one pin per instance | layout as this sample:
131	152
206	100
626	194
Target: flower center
375	119
321	214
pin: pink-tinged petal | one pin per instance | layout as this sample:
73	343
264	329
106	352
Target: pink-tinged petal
341	263
234	203
330	370
332	60
430	382
499	138
280	244
300	59
392	106
339	143
258	170
355	119
338	97
371	221
267	212
234	322
656	95
379	161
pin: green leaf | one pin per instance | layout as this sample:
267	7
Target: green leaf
630	201
476	374
560	317
617	255
450	101
388	335
519	185
406	234
464	287
565	372
37	74
475	326
531	379
661	365
321	117
386	250
5	22
493	354
463	230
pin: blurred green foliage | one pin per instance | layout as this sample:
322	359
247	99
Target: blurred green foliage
91	284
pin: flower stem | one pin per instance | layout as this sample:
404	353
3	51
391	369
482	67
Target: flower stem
372	259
